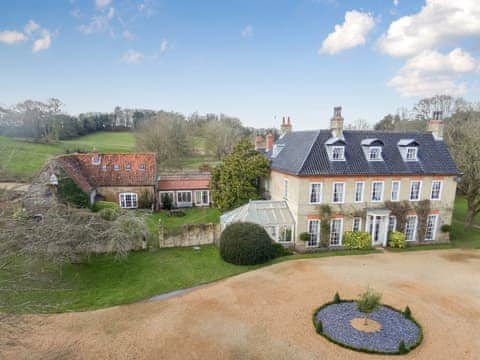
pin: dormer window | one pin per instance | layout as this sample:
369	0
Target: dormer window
338	153
372	148
128	167
116	167
141	167
408	149
374	153
411	154
276	149
104	167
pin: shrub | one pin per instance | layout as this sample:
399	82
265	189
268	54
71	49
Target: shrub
245	244
336	298
407	313
368	302
145	200
69	192
396	240
304	236
402	349
177	213
279	250
357	240
99	205
319	327
446	228
167	202
110	213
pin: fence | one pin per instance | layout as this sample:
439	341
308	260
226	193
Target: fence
190	235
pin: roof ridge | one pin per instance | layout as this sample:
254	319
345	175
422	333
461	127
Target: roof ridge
308	152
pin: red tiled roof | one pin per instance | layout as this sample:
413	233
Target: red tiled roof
184	181
88	174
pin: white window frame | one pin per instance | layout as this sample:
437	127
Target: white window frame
439	190
381	193
272	231
340	235
180	203
394	227
319	198
414	228
378	150
343	193
285	189
317	243
341	154
359	219
419	190
284	229
409	148
434	227
123	201
398	190
202	203
361	193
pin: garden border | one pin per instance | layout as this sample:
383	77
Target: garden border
365	350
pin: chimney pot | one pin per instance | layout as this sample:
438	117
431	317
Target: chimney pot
336	123
435	126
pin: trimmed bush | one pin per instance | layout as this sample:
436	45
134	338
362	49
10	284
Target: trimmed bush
99	205
245	244
407	313
446	228
110	213
396	240
336	298
357	240
319	327
304	236
167	202
402	349
279	250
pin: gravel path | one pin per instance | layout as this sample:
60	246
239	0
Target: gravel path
267	313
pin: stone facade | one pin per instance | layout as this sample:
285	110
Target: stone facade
299	199
191	235
112	193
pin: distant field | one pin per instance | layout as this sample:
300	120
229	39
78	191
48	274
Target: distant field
21	160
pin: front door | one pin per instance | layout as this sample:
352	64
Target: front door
376	227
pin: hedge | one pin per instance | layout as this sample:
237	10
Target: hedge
357	240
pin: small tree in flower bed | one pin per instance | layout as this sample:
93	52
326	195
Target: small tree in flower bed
368	302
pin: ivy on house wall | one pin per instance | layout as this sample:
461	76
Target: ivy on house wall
326	216
400	211
422	208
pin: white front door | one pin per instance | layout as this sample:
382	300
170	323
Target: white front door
377	229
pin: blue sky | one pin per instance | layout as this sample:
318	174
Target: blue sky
254	59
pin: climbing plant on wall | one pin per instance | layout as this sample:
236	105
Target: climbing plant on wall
422	208
400	211
326	216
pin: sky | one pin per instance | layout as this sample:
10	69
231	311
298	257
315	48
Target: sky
257	60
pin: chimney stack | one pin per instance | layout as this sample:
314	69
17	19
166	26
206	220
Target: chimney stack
269	142
286	127
258	142
435	125
336	123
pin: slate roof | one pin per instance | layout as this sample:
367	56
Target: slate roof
304	153
184	181
136	169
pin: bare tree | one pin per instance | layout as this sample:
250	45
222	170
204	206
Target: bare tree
359	124
222	135
462	134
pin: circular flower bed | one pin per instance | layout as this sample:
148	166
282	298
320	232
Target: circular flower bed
336	326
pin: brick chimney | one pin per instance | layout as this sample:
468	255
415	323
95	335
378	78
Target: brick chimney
336	122
435	125
269	142
258	142
286	127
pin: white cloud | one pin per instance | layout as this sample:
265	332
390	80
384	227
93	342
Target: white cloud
102	3
350	34
247	31
132	57
438	22
128	35
43	43
11	37
430	73
163	46
98	23
396	2
31	27
31	31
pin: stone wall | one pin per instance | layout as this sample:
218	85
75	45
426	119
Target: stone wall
190	235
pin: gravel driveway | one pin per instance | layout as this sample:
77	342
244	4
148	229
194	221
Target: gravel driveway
266	314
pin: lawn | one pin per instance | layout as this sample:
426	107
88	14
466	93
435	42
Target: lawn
192	216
